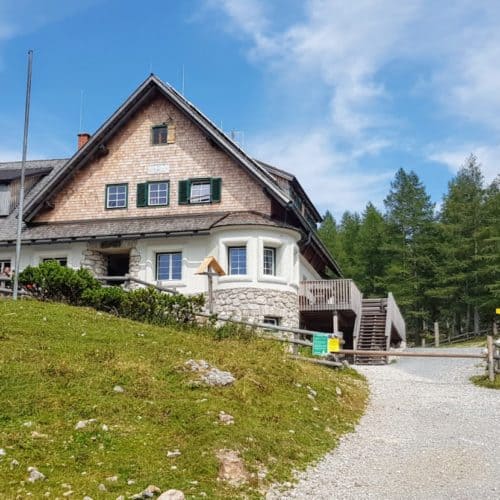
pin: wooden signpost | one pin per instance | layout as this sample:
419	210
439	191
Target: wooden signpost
210	268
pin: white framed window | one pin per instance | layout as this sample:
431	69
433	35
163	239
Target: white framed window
271	320
200	192
169	266
116	196
237	257
157	193
269	261
63	261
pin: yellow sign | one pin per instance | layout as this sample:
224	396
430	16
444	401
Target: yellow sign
498	310
333	345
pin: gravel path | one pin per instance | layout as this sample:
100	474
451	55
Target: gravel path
428	433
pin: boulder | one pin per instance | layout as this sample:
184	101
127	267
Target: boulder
225	418
215	377
35	475
172	495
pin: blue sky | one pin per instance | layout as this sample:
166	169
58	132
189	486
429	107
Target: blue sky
340	93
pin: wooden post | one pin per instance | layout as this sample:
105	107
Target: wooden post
436	334
423	341
491	361
335	322
210	293
495	328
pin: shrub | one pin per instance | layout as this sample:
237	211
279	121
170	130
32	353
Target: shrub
51	281
152	306
233	331
107	299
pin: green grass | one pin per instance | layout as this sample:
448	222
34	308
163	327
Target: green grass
477	342
484	381
59	364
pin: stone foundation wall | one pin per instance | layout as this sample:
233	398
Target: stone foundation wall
253	304
94	260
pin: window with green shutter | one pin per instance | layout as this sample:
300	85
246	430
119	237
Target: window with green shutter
199	191
153	194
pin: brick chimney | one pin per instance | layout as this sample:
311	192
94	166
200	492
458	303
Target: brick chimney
83	138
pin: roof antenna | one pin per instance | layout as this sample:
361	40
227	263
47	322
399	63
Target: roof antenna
182	87
81	112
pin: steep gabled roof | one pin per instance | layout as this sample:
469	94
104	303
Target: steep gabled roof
295	184
97	144
12	169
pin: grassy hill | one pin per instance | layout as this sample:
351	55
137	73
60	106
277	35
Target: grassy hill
60	364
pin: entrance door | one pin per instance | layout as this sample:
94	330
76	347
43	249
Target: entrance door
118	265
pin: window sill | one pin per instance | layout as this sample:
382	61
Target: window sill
268	278
235	278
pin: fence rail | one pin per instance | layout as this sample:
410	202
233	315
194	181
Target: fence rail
462	337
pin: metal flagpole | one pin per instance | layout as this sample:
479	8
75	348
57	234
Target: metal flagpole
23	165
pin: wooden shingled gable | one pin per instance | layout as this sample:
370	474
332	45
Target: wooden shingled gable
97	145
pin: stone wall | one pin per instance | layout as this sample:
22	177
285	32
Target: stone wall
253	304
94	260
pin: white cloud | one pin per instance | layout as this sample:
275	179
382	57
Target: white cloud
343	50
454	158
332	178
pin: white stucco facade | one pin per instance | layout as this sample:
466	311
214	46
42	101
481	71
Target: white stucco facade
253	295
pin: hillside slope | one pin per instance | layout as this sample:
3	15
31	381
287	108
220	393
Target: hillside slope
60	365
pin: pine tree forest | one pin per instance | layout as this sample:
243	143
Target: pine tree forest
441	264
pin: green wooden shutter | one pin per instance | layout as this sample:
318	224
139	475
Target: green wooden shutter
142	195
216	189
183	194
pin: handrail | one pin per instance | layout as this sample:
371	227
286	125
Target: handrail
329	295
395	319
127	277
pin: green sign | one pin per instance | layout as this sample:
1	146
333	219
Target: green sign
320	344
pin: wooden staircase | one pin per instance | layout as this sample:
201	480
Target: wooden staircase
372	331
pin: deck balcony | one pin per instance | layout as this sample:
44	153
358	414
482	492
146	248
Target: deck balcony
329	295
331	305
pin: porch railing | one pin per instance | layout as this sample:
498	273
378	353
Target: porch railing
329	295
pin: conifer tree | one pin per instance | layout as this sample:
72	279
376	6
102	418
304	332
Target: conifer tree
348	239
462	224
371	256
410	216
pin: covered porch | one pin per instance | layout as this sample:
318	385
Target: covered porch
331	306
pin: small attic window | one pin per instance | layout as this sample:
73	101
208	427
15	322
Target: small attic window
160	134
